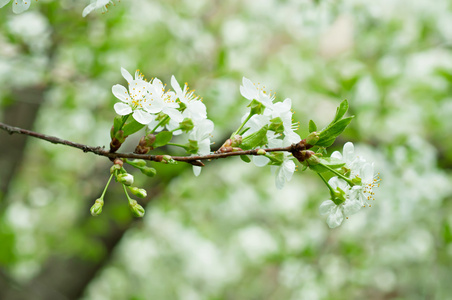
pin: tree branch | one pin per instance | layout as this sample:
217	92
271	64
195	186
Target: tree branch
194	160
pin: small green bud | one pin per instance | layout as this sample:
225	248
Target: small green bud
138	192
186	125
125	178
137	209
313	160
148	171
168	159
261	152
257	108
115	168
96	209
139	163
313	138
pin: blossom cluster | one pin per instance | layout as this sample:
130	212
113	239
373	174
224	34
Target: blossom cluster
177	111
277	117
352	189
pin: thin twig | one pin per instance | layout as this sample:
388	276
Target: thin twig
194	160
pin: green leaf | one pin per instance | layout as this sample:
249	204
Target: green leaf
245	158
117	122
162	139
329	134
131	127
331	162
312	126
341	110
258	138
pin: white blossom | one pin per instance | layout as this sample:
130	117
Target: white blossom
352	161
368	180
337	212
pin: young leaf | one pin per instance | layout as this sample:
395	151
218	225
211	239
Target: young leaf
245	158
117	122
341	110
255	139
162	139
131	127
312	126
329	134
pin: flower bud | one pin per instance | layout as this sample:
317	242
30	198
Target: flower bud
139	163
168	159
148	171
313	159
261	152
313	138
138	192
125	178
114	168
137	209
96	209
118	161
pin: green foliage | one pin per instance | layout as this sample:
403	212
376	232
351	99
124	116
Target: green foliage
162	139
255	139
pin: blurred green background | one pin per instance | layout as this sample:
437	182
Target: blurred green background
229	233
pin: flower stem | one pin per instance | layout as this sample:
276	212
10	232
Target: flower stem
328	185
160	123
338	174
105	189
241	126
127	194
177	145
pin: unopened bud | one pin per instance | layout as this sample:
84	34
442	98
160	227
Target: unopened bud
96	209
125	178
261	152
118	161
139	162
114	168
138	192
149	139
313	138
137	209
148	171
313	160
168	159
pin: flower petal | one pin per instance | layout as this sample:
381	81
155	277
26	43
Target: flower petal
176	86
335	218
196	170
260	161
126	75
351	207
122	109
326	207
4	2
142	117
121	93
348	152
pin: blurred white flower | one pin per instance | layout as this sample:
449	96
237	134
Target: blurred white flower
96	4
19	6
